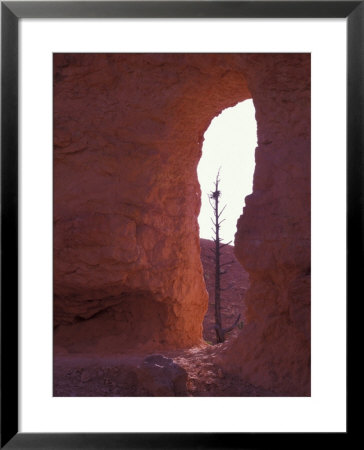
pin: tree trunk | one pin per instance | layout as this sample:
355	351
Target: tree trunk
220	331
218	325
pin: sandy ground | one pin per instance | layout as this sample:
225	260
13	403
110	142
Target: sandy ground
114	376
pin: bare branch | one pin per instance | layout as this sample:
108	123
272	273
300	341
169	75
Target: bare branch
217	177
225	264
221	211
227	330
211	203
224	245
214	239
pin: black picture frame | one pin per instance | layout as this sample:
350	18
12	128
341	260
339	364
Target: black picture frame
11	12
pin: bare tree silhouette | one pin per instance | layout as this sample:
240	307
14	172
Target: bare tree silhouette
214	202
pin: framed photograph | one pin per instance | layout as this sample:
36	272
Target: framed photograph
181	186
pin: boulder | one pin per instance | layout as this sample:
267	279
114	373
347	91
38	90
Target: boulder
159	376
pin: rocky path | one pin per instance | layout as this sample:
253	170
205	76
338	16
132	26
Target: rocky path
207	379
128	375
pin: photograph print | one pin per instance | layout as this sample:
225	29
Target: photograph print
181	224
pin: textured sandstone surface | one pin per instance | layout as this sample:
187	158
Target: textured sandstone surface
273	234
128	131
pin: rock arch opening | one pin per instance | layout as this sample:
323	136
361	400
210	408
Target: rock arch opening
229	145
228	148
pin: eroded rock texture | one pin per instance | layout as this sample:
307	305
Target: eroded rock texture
273	234
128	131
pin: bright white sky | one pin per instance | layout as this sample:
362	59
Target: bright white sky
230	143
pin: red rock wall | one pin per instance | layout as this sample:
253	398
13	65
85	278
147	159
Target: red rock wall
128	131
273	237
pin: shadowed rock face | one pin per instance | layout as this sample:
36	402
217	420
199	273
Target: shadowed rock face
273	235
128	132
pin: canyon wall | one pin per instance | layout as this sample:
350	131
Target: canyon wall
128	132
273	234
